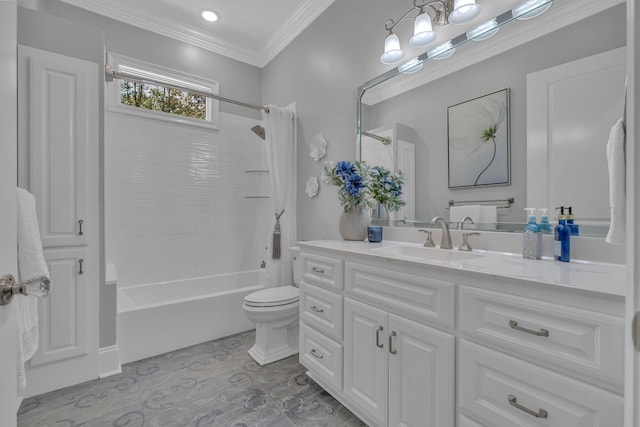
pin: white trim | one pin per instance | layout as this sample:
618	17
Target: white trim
308	11
559	16
109	361
111	276
113	92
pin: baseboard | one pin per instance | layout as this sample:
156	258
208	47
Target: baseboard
109	361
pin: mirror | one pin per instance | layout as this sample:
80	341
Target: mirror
570	30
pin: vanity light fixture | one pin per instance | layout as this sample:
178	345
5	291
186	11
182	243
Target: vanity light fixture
412	66
443	51
484	31
425	14
209	16
531	9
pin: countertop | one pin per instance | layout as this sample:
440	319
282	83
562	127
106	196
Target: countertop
585	275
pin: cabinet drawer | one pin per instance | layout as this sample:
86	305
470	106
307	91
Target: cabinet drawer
323	271
321	355
506	392
468	422
578	340
322	309
418	298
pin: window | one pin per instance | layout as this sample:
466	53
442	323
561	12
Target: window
165	102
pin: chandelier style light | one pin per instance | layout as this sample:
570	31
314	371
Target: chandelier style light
426	13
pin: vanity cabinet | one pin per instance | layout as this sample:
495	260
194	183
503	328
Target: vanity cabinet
397	371
405	343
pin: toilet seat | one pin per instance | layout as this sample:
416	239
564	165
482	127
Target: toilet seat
273	297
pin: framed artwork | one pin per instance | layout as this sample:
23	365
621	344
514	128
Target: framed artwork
479	151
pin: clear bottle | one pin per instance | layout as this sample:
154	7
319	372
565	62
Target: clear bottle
562	238
545	226
532	237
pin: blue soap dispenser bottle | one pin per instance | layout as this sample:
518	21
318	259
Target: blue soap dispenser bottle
562	238
545	226
575	228
532	237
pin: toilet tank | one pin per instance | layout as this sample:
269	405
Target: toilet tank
294	253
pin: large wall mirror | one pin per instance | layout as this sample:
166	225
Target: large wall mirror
556	138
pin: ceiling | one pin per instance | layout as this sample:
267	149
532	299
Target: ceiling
251	31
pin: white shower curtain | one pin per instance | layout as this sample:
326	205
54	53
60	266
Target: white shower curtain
280	129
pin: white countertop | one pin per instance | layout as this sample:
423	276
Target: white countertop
585	275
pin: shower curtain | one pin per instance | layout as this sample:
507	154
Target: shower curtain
280	129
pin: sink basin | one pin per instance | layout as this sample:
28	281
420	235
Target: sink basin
426	254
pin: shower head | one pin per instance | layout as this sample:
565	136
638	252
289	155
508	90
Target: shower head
259	130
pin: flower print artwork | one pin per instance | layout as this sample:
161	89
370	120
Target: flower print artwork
479	141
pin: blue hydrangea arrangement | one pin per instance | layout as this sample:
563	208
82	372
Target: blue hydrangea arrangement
362	186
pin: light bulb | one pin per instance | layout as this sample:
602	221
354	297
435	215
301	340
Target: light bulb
531	9
423	33
484	31
463	11
392	52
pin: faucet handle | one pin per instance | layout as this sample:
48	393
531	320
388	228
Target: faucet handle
429	242
465	242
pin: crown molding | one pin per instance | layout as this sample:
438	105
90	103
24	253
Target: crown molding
558	17
308	12
304	15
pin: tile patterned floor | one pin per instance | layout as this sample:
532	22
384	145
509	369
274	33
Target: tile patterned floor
211	384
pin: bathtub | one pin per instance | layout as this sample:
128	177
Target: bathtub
160	317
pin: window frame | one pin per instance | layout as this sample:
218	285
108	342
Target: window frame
160	73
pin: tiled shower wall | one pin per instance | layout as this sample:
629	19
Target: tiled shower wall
175	198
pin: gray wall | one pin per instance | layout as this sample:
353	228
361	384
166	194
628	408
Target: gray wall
64	29
339	51
588	37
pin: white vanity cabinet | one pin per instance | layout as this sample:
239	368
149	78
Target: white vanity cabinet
448	346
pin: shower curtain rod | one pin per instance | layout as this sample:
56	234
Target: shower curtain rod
111	74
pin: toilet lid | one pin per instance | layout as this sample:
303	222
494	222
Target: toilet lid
271	297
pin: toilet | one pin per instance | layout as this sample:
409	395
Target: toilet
276	312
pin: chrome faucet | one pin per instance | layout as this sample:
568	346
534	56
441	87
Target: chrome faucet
462	221
445	243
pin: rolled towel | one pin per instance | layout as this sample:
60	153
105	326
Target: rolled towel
31	264
617	184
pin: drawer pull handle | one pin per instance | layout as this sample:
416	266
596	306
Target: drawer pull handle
316	309
378	343
513	401
315	353
317	270
391	349
540	333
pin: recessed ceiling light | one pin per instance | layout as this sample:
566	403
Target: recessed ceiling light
210	16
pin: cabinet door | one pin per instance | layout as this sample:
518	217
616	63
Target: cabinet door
366	358
421	375
62	127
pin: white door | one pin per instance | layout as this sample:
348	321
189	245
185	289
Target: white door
8	237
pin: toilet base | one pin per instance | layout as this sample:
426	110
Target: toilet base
274	343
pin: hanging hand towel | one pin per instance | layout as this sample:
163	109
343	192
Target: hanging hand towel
31	264
488	217
617	184
456	213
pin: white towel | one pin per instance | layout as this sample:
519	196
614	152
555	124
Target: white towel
617	184
488	215
456	213
31	264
